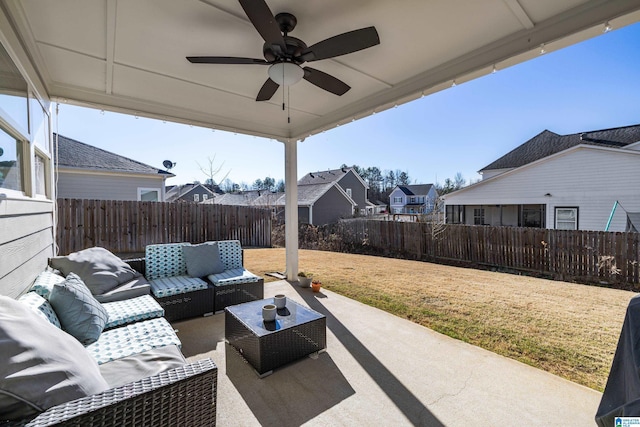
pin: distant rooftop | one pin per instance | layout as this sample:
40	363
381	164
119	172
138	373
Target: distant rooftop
547	143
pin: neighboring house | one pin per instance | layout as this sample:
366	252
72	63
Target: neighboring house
320	204
559	182
323	197
195	193
347	179
412	199
87	172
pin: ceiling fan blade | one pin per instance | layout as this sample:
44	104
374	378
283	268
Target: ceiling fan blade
325	81
263	20
224	60
342	44
267	90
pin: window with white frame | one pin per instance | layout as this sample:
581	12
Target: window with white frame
11	175
349	193
196	197
478	216
567	218
148	194
397	200
205	197
413	199
24	120
40	166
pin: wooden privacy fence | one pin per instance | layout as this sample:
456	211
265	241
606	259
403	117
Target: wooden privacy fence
128	226
584	256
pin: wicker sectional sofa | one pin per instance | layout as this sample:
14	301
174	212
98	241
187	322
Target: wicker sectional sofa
131	373
183	294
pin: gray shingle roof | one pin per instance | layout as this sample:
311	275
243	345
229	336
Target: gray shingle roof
547	143
76	154
323	177
235	199
308	194
416	190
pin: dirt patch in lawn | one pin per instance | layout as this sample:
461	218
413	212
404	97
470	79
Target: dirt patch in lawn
567	329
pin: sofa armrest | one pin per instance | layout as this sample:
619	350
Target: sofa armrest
181	396
138	264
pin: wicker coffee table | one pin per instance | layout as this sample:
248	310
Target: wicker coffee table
297	332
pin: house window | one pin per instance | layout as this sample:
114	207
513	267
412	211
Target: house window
455	214
566	218
349	192
478	216
10	163
40	174
196	197
397	200
148	194
13	95
413	199
205	197
532	216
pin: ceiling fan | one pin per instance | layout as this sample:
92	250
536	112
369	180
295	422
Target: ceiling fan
285	54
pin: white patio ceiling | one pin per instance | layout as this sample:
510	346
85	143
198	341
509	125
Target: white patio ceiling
129	55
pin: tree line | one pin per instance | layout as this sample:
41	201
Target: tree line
381	182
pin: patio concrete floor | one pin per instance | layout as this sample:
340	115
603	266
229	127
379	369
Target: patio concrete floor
382	370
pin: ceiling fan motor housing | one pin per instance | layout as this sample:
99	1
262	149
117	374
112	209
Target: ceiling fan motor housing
295	46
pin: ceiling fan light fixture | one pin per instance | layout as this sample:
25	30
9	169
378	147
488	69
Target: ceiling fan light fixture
286	73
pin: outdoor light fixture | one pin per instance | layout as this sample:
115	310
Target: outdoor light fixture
607	27
286	73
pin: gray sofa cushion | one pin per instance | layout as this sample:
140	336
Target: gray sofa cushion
142	365
98	268
42	366
203	260
131	289
79	312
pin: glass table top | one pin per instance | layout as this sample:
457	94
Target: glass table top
250	314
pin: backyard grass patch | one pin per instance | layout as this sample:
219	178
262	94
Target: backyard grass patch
567	329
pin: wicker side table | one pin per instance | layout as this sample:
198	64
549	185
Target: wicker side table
297	332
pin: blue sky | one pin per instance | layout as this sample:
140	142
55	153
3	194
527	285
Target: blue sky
589	86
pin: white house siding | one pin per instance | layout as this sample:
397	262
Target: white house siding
589	178
26	221
26	242
393	206
83	185
493	172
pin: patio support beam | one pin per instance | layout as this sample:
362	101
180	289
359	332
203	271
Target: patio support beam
291	208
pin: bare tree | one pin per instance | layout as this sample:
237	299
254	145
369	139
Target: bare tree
211	171
436	224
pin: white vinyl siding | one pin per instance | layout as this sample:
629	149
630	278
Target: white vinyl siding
589	178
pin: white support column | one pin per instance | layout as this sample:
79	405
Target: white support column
291	207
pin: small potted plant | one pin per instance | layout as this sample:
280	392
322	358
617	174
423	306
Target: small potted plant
316	285
304	278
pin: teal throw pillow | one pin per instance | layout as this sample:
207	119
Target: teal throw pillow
203	260
80	314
